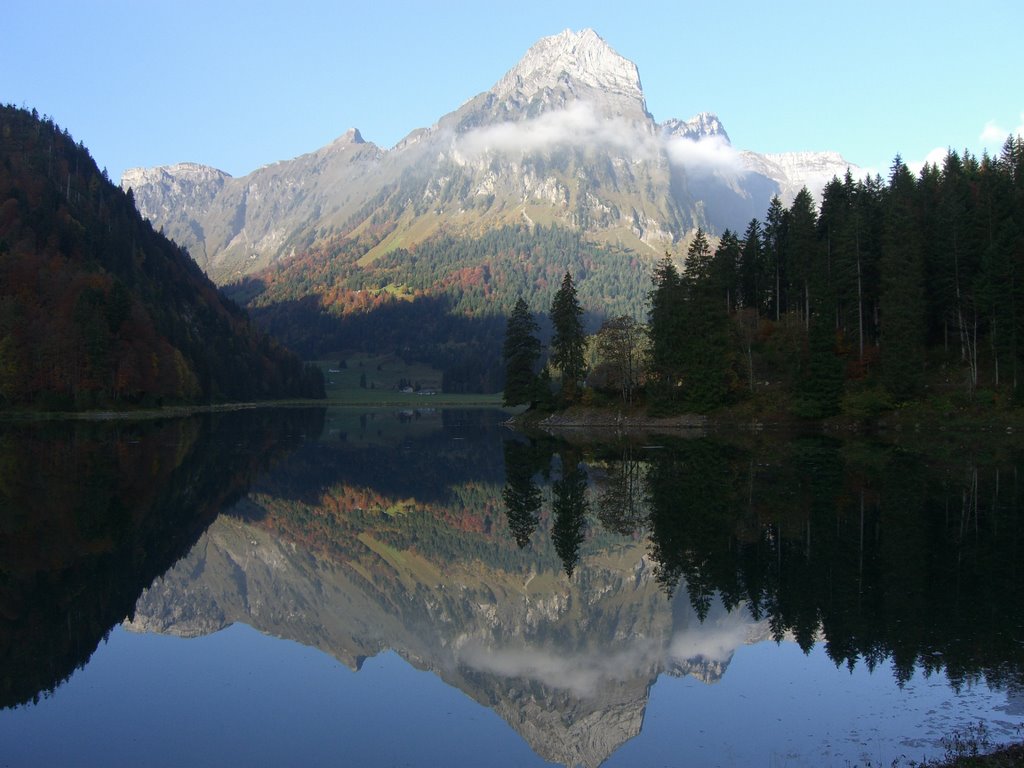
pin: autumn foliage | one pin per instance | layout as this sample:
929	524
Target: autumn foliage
96	308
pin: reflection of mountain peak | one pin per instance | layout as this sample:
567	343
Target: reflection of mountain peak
567	663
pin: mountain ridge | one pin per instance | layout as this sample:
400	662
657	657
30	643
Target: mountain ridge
564	136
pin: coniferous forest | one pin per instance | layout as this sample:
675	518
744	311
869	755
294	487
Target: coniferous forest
98	309
892	291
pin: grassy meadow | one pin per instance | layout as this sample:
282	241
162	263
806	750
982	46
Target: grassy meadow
385	380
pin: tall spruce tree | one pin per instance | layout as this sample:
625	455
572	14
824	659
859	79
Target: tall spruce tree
568	344
665	327
752	277
902	301
521	352
725	269
706	356
802	253
775	229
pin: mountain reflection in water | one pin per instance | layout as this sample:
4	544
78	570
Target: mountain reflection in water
555	581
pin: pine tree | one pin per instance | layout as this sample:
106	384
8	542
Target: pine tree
568	344
902	300
752	278
705	342
521	352
802	253
775	227
725	266
698	260
666	329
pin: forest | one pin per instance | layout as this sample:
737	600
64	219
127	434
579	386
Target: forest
97	309
443	302
891	292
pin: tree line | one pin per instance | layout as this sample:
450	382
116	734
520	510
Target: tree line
889	291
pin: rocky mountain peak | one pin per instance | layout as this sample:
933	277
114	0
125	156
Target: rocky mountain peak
194	173
351	136
583	58
701	126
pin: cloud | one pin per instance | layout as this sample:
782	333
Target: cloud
712	155
717	642
993	135
584	671
936	157
577	125
581	125
582	674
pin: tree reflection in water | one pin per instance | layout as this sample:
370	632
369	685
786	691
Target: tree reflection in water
878	551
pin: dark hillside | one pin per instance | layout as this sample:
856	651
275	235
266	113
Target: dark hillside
97	308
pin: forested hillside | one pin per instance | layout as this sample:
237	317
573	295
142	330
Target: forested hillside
905	285
97	308
442	302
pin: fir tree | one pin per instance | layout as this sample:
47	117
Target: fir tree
902	302
568	344
775	229
665	329
521	352
751	268
705	343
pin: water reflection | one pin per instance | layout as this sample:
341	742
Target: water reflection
879	551
91	513
556	581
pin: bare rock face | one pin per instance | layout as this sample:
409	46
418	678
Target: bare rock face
795	170
563	137
581	61
697	128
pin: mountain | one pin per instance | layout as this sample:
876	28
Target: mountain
563	138
97	308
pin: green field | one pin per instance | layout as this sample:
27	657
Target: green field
375	380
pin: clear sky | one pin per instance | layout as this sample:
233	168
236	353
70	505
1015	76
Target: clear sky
237	85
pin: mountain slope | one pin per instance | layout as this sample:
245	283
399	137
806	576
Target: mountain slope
563	138
97	308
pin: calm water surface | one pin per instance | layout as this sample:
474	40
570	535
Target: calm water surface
429	588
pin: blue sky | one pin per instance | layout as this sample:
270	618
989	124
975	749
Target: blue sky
238	85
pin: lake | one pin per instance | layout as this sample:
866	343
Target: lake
429	587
